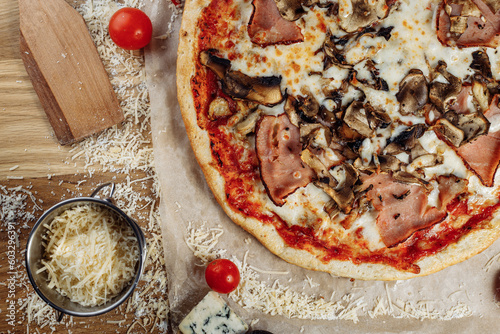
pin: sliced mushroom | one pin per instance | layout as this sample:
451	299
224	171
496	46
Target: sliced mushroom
332	209
355	117
343	194
219	107
326	117
473	125
318	142
290	10
389	163
336	49
417	150
413	93
289	108
393	148
440	93
458	24
336	95
377	119
356	14
406	140
375	81
315	136
307	105
426	160
481	94
367	168
263	90
219	65
244	108
323	176
481	64
349	153
308	129
247	126
385	32
344	134
446	130
405	177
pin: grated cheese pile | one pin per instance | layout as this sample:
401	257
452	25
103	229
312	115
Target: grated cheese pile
90	254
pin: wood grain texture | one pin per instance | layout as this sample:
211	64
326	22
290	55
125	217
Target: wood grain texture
67	73
28	141
48	193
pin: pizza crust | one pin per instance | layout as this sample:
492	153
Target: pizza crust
468	246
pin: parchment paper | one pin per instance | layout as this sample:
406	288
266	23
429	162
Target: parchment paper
186	198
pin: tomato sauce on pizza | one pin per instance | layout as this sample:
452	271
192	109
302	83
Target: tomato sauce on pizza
359	132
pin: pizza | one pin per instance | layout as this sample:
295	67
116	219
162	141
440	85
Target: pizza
355	137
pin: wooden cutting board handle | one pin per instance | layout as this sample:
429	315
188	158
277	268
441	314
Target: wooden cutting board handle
66	70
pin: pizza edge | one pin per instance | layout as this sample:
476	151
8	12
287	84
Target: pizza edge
469	245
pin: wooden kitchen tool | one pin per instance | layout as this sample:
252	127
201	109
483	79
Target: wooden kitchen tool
65	69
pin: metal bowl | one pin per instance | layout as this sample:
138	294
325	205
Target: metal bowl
35	250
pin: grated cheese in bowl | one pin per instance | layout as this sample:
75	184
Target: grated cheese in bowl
91	254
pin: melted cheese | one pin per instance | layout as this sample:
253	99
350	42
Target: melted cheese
452	163
413	45
295	212
90	254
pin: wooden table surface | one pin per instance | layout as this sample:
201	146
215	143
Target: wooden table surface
47	171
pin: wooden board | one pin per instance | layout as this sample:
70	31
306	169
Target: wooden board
66	71
28	142
27	137
48	193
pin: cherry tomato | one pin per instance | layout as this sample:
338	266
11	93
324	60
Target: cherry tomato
222	276
130	28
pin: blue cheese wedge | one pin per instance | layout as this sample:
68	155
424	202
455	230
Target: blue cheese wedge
212	315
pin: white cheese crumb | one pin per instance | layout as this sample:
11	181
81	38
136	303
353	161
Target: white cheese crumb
11	177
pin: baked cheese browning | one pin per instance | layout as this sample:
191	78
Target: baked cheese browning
354	123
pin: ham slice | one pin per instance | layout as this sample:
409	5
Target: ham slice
461	104
403	208
478	32
483	154
278	150
267	27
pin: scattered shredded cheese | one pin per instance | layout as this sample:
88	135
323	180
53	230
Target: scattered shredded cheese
278	299
491	262
123	149
91	254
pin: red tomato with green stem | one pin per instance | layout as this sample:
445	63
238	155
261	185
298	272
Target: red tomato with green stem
130	28
222	276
